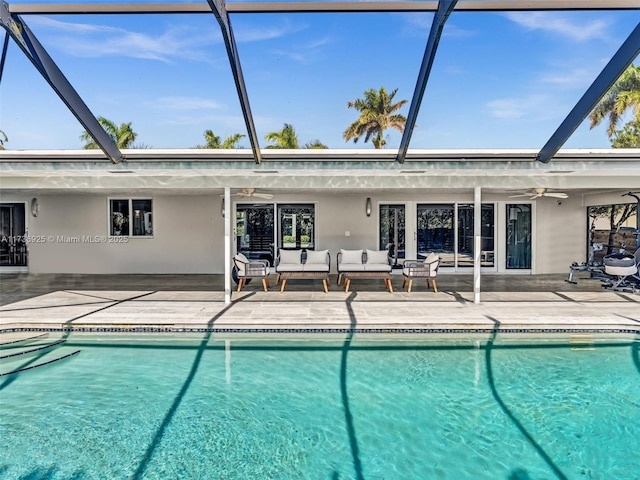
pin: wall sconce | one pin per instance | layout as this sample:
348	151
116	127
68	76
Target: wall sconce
367	206
222	208
35	207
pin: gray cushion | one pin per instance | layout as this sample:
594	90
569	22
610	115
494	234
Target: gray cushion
351	267
377	256
315	267
290	256
377	267
351	256
289	267
432	257
317	257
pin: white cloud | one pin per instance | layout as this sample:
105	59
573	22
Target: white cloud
577	77
92	41
184	103
245	33
535	106
560	24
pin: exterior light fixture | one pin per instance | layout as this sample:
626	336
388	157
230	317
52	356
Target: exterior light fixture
367	207
35	207
222	208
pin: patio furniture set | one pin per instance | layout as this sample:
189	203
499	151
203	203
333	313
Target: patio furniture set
351	265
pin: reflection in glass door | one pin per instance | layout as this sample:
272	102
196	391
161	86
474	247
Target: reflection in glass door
392	228
254	231
436	232
297	226
519	236
465	235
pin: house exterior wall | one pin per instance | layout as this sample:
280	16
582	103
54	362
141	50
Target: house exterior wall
70	235
189	230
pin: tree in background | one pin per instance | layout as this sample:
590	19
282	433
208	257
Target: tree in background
623	96
288	138
377	114
628	136
285	138
214	142
315	145
3	139
122	135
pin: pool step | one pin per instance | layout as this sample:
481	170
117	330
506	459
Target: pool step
582	341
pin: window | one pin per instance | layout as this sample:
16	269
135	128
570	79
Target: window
131	217
612	228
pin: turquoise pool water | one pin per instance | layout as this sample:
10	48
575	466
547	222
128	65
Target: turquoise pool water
197	408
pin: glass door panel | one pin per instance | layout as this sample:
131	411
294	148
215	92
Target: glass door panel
297	226
518	236
392	231
13	245
465	235
254	231
436	232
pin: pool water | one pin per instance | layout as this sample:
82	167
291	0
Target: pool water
195	407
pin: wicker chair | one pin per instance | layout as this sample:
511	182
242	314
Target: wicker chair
427	268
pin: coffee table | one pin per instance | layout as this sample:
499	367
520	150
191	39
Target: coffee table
368	275
324	276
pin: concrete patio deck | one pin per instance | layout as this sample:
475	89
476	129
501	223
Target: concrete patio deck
538	303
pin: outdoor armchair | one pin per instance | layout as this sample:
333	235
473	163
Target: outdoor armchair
247	269
427	269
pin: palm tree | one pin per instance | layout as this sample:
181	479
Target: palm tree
377	114
285	138
122	135
315	145
213	140
3	139
622	96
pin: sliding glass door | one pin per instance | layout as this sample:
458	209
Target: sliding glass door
518	236
448	230
13	245
392	231
435	231
466	242
254	231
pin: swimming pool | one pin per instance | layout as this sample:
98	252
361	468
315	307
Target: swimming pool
199	407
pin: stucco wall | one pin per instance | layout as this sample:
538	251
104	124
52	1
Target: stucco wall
188	237
189	230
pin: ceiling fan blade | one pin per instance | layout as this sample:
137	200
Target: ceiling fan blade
262	195
234	195
556	195
520	195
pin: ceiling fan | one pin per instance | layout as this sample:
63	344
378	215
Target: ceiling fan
251	192
540	192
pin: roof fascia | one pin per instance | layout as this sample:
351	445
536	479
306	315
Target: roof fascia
445	7
325	7
35	52
218	9
625	55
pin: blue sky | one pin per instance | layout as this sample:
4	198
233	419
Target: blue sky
499	80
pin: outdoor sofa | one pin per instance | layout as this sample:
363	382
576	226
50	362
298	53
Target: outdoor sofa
299	264
364	263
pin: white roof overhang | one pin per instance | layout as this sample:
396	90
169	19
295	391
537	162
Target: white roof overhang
197	171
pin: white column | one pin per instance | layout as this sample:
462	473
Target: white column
477	245
227	245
